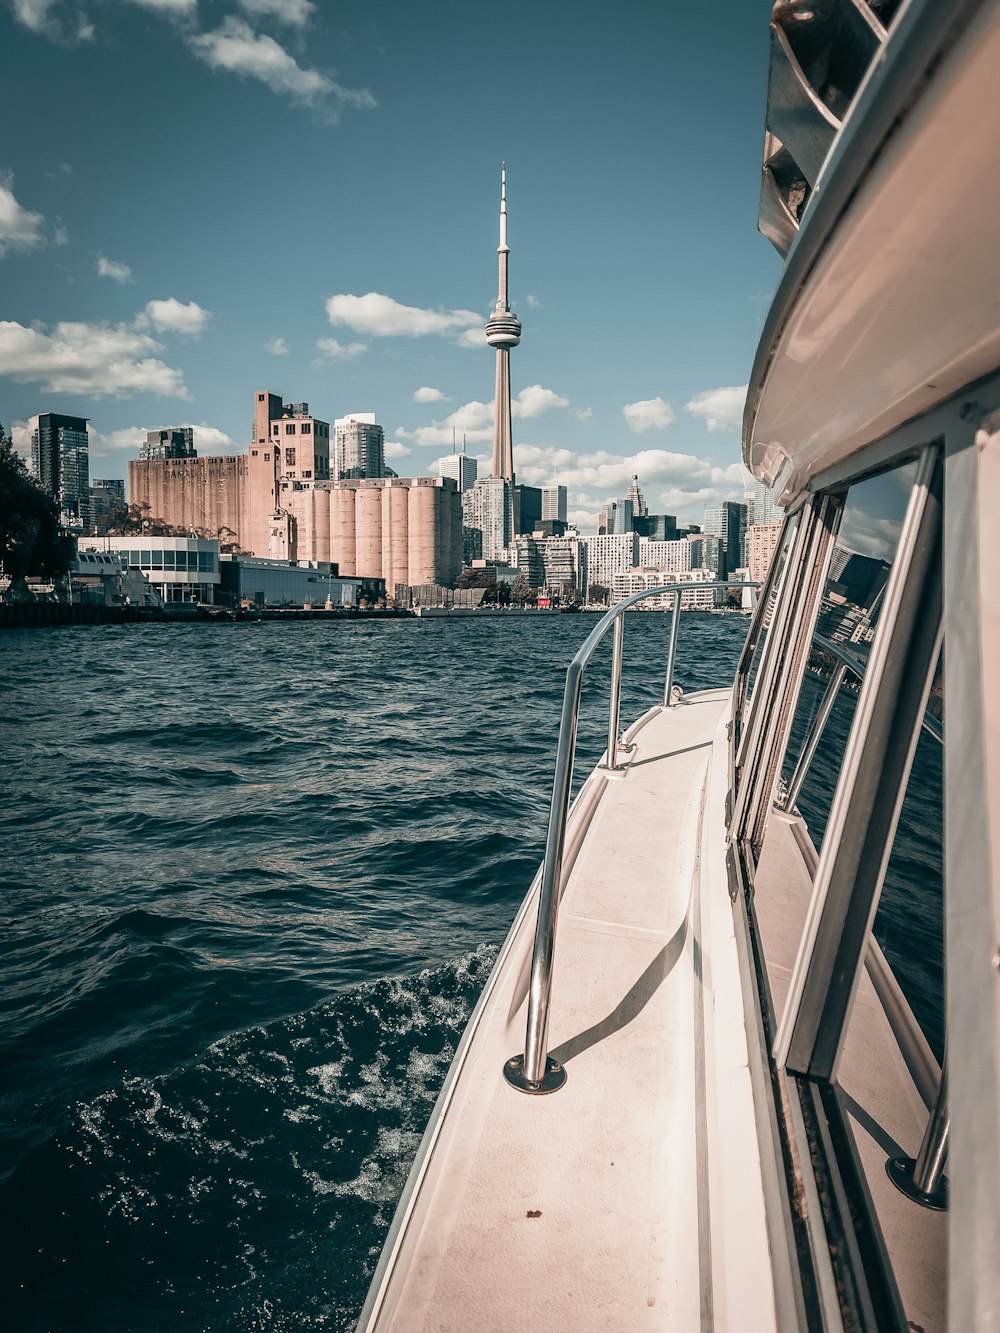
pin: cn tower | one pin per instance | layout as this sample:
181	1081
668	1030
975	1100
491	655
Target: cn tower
503	332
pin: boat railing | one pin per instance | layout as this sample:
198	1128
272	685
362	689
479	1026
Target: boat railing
535	1071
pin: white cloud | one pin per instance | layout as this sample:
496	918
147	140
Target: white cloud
474	337
276	346
110	268
340	351
394	449
172	8
60	236
722	409
34	14
534	400
235	47
533	301
425	394
581	413
175	316
20	229
381	317
648	414
95	359
294	12
207	439
475	419
20	433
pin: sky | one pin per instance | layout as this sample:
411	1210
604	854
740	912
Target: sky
203	199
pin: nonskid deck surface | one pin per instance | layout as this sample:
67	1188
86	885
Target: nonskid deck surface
592	1208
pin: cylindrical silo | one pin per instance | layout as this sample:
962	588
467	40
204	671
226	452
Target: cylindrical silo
398	571
343	530
369	530
321	520
422	530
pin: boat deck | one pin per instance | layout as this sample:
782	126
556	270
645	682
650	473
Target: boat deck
632	1197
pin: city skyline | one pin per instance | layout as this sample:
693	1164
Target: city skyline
232	234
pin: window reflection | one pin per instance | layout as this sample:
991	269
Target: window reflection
848	618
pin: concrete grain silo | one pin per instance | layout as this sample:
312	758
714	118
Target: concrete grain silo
343	530
422	530
369	531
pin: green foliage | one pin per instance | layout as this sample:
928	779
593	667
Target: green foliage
521	590
475	578
32	540
599	593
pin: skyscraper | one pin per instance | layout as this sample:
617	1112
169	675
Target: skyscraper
359	447
555	503
461	467
728	522
60	459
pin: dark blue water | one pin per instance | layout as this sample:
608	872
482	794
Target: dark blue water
253	879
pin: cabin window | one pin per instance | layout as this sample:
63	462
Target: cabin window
845	626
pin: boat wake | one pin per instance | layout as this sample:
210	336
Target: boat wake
250	1189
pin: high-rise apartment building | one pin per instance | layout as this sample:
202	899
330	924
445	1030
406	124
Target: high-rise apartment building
359	447
672	557
488	507
762	508
728	522
170	442
762	542
461	467
609	554
105	495
555	503
708	552
60	460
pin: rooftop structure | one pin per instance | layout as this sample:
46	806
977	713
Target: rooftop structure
170	442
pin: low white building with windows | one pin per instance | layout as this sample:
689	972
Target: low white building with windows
693	599
181	569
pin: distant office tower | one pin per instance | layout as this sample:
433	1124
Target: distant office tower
762	508
639	508
728	522
461	467
359	447
60	459
106	495
617	518
657	527
170	442
555	503
194	494
708	552
527	508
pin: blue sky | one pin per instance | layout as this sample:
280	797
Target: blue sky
191	194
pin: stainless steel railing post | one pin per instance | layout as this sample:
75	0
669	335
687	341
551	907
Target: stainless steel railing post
923	1180
614	708
672	649
535	1071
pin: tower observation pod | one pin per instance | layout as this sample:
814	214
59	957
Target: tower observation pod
503	331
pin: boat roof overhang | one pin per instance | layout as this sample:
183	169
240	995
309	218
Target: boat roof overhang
889	301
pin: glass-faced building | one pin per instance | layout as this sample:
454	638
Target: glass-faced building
181	569
60	459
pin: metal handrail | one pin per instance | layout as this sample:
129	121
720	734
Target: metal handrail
535	1071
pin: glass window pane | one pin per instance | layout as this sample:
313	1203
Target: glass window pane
848	617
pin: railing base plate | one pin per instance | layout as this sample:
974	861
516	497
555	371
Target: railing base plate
552	1080
900	1172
